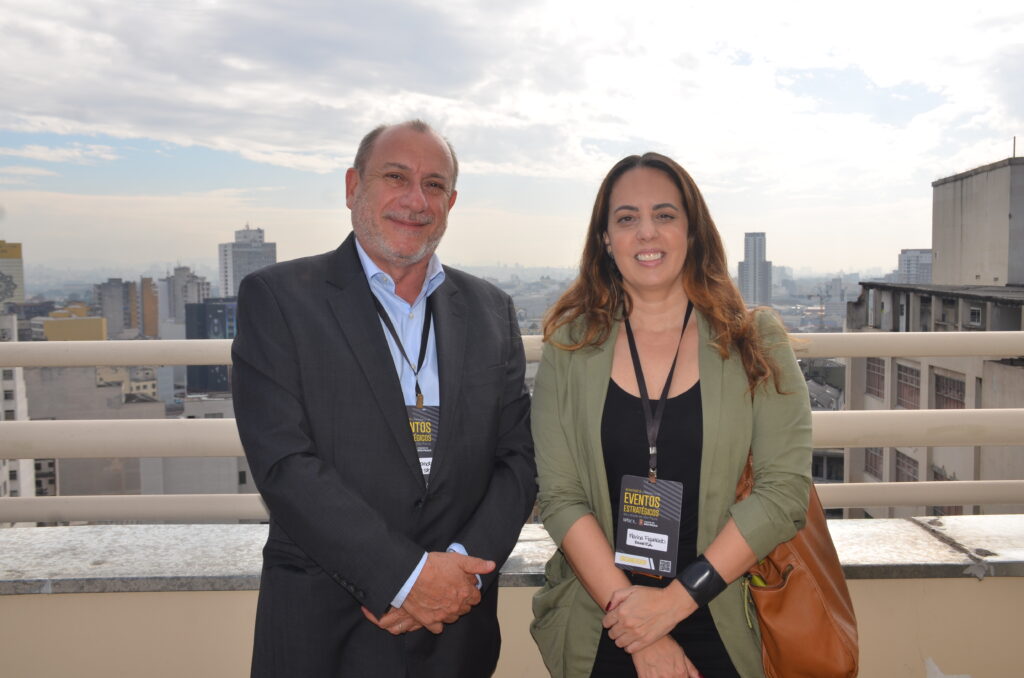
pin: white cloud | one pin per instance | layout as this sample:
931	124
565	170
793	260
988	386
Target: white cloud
79	154
27	171
554	89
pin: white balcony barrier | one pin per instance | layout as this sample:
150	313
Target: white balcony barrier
137	438
218	351
208	438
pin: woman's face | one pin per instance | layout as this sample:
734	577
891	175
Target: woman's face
647	230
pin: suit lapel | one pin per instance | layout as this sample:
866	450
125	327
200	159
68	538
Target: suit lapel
450	337
350	300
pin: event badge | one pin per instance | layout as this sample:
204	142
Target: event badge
647	536
423	421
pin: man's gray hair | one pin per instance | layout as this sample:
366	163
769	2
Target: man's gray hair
417	125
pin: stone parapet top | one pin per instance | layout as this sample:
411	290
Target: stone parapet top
126	558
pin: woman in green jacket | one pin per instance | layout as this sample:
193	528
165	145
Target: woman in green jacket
678	399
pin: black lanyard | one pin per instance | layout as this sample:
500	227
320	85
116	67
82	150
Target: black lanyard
427	317
654	421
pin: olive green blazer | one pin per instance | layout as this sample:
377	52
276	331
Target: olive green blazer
568	404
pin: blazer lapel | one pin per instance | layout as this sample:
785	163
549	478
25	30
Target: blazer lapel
596	364
712	369
350	301
450	330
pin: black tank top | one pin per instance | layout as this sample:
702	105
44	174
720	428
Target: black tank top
680	439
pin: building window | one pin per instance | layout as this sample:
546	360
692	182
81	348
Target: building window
949	393
8	375
908	387
873	461
974	317
13	475
875	378
8	415
8	395
241	477
827	467
906	468
213	415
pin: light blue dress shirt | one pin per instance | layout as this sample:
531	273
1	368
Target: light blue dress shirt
408	322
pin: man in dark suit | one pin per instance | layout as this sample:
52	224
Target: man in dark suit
397	479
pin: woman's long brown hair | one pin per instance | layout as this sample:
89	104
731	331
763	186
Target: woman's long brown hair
598	297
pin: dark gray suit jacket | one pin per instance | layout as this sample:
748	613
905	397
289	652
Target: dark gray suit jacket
322	418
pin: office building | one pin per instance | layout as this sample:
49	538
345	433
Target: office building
177	290
975	288
246	254
755	271
174	292
212	319
12	273
915	267
149	309
118	302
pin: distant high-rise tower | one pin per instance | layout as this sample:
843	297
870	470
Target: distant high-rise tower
12	273
755	271
240	258
149	318
183	287
119	304
915	267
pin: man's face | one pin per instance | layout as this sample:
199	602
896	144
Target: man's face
400	204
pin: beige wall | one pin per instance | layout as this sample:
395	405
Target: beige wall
971	230
75	329
964	627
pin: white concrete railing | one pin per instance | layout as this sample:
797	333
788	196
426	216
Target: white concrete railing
218	351
212	438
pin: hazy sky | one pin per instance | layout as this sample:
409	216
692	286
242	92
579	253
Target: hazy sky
143	131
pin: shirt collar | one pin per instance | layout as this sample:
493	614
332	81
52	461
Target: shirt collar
376	277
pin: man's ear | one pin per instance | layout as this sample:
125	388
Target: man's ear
351	182
451	200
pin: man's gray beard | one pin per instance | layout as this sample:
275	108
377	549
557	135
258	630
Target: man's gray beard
373	239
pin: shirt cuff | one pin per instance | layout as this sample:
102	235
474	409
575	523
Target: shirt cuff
456	547
399	598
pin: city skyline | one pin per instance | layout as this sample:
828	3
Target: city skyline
141	133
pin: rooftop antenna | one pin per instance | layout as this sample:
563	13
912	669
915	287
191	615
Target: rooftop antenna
1015	146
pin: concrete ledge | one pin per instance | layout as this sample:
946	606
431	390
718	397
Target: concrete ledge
155	558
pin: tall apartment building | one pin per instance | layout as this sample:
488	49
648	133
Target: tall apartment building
149	309
915	267
755	271
977	285
12	273
177	290
118	302
246	254
17	476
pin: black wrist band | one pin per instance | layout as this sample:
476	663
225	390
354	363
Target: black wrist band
702	581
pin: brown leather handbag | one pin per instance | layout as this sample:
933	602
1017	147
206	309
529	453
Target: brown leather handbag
808	627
